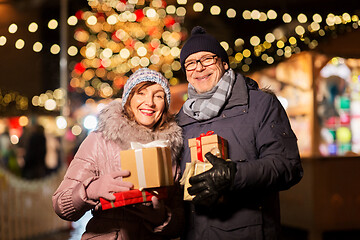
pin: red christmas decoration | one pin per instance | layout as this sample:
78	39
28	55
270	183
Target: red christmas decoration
101	64
79	14
114	37
164	4
79	68
169	21
139	15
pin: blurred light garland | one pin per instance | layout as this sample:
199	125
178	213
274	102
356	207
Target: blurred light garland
121	36
291	38
12	98
50	100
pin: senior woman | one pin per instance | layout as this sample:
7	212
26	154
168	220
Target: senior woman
142	116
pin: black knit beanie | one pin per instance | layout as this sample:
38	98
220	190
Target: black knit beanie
201	41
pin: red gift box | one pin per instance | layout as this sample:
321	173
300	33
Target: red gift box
133	197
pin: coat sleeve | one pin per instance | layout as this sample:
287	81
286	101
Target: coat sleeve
278	166
70	201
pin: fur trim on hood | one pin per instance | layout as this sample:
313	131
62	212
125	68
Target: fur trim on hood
115	126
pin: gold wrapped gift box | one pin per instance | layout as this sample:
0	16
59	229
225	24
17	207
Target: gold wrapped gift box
149	167
192	169
208	142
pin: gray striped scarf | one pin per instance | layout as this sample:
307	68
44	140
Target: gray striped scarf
207	105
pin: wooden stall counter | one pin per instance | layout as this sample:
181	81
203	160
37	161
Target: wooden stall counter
326	199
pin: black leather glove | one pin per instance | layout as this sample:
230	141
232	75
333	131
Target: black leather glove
210	185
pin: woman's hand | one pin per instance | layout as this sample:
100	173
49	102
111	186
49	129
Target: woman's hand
108	184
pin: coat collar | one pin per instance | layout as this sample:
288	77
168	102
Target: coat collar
239	95
115	126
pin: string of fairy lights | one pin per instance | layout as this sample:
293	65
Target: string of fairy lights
117	36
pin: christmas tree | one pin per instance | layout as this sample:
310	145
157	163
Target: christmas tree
117	37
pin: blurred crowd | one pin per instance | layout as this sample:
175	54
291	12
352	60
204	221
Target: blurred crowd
36	155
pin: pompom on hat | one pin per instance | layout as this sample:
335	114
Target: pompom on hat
201	41
145	75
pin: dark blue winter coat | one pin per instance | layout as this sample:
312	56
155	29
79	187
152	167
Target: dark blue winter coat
264	147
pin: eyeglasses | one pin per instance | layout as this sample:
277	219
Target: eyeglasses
204	61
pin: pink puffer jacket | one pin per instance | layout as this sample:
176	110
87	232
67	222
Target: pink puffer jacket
100	154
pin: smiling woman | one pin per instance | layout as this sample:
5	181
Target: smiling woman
98	168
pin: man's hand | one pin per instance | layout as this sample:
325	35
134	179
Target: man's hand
210	185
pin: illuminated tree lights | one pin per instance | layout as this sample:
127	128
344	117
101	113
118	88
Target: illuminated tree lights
118	37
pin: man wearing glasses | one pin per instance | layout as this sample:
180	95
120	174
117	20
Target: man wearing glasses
236	199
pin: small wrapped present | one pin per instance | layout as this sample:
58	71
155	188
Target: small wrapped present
206	143
149	164
133	197
192	168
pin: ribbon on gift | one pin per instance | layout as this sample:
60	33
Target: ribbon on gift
199	144
157	143
140	161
